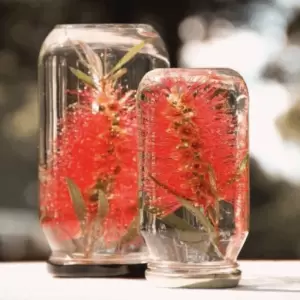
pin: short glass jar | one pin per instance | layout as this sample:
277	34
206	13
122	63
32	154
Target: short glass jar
194	176
88	77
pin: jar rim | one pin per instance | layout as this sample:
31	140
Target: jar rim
106	26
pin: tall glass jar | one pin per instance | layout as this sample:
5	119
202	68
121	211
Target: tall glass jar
194	181
88	76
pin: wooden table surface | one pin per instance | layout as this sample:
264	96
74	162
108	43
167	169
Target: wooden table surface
261	279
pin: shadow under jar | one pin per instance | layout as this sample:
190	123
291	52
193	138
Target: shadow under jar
88	76
194	177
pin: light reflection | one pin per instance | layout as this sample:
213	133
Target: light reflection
192	28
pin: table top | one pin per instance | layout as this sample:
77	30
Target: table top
30	281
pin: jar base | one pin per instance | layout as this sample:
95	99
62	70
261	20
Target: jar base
197	277
96	270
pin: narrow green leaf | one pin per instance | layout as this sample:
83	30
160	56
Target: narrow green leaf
186	233
82	59
42	217
204	221
187	204
77	244
191	237
170	219
174	221
119	74
212	213
128	56
241	168
197	213
77	199
83	77
243	164
132	232
213	187
94	62
162	185
212	178
102	211
102	204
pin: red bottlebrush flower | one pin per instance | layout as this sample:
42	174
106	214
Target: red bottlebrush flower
196	144
93	146
88	187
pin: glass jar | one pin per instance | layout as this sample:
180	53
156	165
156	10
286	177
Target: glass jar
194	178
88	77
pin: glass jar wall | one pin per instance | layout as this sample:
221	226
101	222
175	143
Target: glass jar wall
88	76
194	178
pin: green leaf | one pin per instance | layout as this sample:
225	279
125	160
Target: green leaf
128	56
212	178
83	77
197	213
243	164
191	237
204	221
186	232
102	204
213	187
132	232
87	57
174	221
42	214
119	74
102	211
241	168
77	244
93	61
185	202
77	199
170	219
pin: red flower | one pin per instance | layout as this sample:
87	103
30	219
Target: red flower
194	142
94	143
